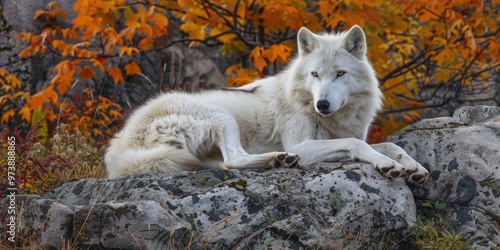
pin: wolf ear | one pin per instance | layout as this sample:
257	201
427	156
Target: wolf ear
306	41
355	42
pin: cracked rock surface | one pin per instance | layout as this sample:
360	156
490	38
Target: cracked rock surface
462	154
324	206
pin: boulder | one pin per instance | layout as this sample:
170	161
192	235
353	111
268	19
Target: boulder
325	206
19	14
462	154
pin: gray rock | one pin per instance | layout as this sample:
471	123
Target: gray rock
19	14
462	154
326	206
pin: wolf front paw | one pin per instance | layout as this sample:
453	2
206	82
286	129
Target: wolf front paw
414	172
286	160
390	168
417	175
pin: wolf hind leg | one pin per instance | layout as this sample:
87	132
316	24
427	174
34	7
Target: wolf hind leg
158	159
236	157
267	160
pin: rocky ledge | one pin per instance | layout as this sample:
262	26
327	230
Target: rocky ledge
462	154
324	206
321	206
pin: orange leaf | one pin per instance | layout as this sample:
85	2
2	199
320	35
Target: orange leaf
59	44
116	74
127	50
146	43
41	97
160	21
98	63
145	29
3	72
86	73
132	68
25	53
39	13
53	6
80	22
7	115
186	3
65	74
23	36
258	60
270	54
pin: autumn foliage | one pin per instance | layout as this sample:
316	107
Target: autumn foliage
413	46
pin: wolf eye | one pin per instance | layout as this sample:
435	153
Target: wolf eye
340	73
314	73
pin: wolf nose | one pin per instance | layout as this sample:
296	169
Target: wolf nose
323	105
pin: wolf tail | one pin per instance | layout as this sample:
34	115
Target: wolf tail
164	159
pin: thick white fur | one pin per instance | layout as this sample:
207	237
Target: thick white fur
247	127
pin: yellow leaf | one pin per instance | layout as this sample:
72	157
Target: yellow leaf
7	115
25	113
22	94
13	81
115	114
442	76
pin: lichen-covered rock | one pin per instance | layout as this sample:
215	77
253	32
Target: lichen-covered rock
462	154
327	206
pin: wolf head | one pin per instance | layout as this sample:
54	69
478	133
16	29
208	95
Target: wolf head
334	69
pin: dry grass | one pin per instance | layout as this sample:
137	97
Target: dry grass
84	157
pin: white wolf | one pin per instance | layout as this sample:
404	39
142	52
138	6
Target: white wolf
319	108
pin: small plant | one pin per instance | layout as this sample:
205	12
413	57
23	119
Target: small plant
84	156
39	168
33	174
434	233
